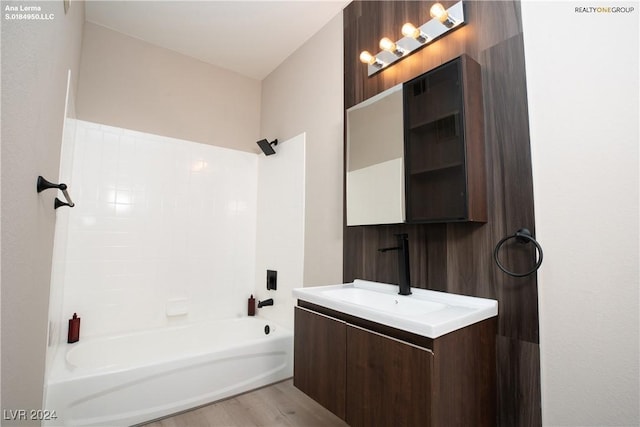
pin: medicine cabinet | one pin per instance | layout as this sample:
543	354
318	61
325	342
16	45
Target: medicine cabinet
415	153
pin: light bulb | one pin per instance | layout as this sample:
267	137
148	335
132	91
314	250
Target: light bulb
387	44
440	13
408	30
367	58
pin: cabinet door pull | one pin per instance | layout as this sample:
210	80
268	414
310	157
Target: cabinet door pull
390	338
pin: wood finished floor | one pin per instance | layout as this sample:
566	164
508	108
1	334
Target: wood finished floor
280	404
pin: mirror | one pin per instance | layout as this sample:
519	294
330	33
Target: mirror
375	165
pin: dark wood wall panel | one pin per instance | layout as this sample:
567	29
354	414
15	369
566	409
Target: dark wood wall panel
458	257
506	115
518	379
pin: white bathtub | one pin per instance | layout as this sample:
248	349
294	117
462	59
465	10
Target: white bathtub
129	379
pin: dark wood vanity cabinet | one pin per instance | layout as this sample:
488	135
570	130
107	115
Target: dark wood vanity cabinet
388	381
444	144
374	375
318	366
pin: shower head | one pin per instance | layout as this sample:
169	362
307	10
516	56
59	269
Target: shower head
266	146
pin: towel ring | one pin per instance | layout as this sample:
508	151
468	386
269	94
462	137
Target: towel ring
523	235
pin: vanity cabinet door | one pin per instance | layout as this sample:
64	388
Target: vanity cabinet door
388	381
319	359
444	144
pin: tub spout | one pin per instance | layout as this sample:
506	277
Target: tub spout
265	302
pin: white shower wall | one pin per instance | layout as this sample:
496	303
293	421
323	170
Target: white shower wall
159	224
67	150
280	231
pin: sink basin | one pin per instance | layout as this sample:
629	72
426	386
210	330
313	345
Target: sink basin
424	312
383	301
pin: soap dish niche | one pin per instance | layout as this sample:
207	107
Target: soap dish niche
177	307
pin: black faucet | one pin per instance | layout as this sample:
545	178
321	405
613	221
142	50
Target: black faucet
265	302
403	262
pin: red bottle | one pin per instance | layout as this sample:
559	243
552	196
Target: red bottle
252	306
74	329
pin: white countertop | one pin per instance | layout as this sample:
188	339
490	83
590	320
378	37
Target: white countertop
424	312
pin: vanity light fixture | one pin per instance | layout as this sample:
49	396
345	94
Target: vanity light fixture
441	23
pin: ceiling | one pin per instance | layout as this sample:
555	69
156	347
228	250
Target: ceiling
249	37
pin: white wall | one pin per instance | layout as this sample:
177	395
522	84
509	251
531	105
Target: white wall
128	83
280	229
36	57
158	223
305	94
582	78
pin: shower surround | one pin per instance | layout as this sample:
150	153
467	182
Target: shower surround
167	232
160	226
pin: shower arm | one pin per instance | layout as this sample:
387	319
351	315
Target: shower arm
42	184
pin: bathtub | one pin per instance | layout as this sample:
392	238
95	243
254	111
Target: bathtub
133	378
